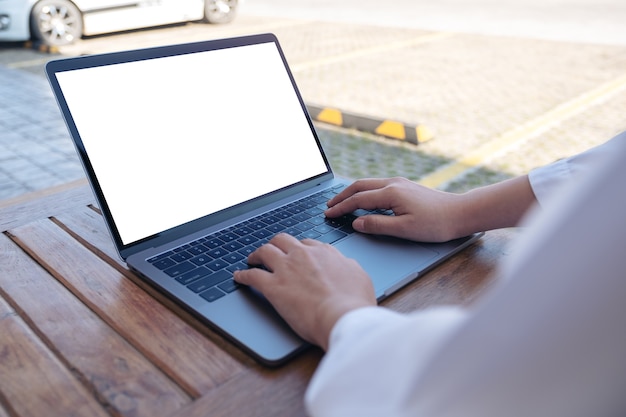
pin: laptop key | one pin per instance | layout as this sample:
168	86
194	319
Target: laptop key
301	217
179	269
247	250
193	275
304	226
210	281
288	223
323	228
317	220
233	258
216	264
276	228
262	233
233	246
201	260
228	286
212	294
214	243
292	231
257	225
283	214
332	237
340	221
247	240
182	256
163	263
310	234
228	237
217	252
239	266
242	231
197	250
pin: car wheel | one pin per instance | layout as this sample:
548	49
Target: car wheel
56	22
220	11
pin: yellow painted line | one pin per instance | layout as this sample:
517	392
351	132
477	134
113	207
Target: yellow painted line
524	132
371	51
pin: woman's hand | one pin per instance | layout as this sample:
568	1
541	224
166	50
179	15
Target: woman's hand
311	284
421	213
428	215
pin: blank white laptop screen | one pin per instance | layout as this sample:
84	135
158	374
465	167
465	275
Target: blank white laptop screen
176	138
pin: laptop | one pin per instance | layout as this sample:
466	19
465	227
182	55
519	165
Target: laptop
199	153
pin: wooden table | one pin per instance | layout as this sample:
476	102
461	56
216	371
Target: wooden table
81	335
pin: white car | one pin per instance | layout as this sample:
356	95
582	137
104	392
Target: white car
61	22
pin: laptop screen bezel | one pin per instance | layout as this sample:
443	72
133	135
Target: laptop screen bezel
165	236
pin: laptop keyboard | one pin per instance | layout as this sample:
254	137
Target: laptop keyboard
206	265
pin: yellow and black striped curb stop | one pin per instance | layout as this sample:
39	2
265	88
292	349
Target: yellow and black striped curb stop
41	47
414	134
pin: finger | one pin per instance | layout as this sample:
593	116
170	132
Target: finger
254	277
312	242
357	187
284	241
266	255
367	200
377	224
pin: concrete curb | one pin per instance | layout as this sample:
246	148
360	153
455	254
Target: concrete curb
393	129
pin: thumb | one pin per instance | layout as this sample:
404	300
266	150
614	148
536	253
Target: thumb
375	224
254	277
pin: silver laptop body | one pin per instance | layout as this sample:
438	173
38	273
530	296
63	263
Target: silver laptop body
183	145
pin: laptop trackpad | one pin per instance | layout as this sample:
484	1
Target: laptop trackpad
390	262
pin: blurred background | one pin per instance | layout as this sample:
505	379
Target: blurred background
493	88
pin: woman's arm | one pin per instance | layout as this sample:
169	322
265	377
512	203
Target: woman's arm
424	214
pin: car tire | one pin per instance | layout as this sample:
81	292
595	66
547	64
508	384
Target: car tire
220	11
56	22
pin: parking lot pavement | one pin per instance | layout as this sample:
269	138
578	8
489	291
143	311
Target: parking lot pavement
498	106
35	150
37	153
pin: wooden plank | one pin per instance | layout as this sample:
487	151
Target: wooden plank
39	194
34	382
260	392
20	211
183	353
87	226
121	378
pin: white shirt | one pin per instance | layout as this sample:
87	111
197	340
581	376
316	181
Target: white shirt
548	340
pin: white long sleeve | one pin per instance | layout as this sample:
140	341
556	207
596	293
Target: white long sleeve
367	348
548	340
548	181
